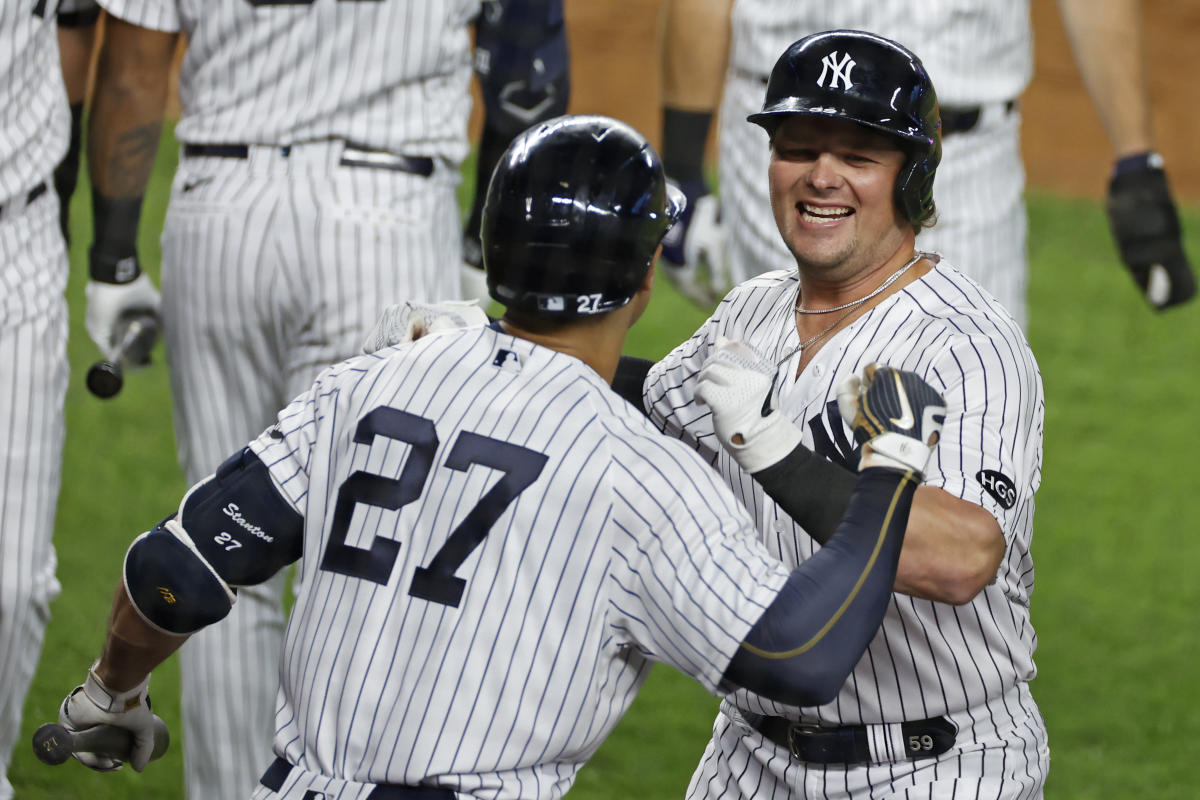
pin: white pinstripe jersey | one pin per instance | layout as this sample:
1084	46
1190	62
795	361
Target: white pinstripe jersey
383	74
613	546
34	119
976	51
928	658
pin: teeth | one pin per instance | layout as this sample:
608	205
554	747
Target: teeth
824	213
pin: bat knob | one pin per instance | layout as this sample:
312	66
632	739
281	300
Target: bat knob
52	744
104	379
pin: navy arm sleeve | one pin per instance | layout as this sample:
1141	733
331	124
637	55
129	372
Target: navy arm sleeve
810	489
808	640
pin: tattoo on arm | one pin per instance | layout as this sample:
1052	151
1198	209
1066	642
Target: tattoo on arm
132	160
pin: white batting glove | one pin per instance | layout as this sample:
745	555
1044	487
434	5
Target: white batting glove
109	304
736	383
696	255
92	703
896	416
407	322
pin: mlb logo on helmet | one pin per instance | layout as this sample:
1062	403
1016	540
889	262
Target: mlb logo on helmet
551	303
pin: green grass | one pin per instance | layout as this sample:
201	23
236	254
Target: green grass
1115	546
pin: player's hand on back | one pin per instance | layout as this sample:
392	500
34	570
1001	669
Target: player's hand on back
406	322
738	385
896	416
695	256
1145	224
92	703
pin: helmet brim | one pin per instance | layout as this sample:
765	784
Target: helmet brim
769	119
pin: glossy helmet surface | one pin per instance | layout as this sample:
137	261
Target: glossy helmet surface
575	211
867	79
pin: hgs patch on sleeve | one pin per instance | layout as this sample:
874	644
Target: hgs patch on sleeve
999	486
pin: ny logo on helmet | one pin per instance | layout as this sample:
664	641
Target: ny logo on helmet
840	71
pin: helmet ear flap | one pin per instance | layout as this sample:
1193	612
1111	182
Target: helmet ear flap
914	187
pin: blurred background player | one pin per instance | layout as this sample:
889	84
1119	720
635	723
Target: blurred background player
498	546
321	148
34	131
939	705
979	54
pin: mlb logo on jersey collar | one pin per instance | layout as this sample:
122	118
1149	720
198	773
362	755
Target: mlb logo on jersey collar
507	360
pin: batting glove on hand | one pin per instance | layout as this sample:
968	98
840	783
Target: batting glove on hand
738	385
92	703
110	305
1145	224
695	256
895	415
407	322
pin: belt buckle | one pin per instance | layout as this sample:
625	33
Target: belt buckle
795	730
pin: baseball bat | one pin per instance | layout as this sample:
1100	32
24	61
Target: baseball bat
53	744
138	335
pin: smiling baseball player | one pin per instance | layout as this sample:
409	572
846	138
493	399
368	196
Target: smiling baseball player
498	546
939	706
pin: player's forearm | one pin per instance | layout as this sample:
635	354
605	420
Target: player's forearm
1106	39
695	50
952	548
133	648
806	643
132	82
75	53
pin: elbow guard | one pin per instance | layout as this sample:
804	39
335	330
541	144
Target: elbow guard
171	585
232	529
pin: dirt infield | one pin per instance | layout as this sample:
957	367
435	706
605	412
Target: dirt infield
615	71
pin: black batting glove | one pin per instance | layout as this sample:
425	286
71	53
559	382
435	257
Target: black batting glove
1145	225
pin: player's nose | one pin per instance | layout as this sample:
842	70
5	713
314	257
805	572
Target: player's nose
823	173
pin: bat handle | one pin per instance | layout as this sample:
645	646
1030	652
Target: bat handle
54	744
138	334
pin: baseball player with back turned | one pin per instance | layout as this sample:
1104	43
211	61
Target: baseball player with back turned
34	128
498	545
321	145
980	55
939	706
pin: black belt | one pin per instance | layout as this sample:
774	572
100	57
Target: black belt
277	773
962	120
849	744
352	156
33	194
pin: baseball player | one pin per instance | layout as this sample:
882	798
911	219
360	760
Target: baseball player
34	128
321	145
939	705
497	545
979	53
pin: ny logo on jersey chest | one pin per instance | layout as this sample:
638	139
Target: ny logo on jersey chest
830	440
837	71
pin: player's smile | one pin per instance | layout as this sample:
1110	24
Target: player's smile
822	215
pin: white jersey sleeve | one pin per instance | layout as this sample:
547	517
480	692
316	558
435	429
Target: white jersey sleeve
158	15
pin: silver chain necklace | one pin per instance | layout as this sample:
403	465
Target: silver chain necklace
850	307
854	303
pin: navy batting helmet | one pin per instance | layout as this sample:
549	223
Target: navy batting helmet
575	211
870	80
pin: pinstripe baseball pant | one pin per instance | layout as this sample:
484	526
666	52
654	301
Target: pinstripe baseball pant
33	382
